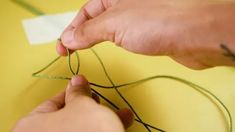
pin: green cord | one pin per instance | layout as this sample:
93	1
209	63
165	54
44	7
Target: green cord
28	7
37	74
36	11
116	107
208	94
115	88
69	62
198	88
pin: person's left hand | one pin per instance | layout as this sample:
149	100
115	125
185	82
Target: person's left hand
75	111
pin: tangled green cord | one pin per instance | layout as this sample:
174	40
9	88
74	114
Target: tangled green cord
198	88
202	90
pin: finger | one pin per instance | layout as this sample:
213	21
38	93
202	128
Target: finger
91	10
61	50
89	33
96	98
77	87
126	117
51	105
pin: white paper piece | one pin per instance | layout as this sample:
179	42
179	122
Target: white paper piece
46	28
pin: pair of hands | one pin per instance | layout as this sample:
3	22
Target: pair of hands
189	31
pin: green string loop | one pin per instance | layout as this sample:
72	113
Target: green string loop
196	87
69	62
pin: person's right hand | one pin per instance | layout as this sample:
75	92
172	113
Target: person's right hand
189	31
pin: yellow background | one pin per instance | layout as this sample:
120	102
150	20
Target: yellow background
164	103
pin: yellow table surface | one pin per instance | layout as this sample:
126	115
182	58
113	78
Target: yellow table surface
164	103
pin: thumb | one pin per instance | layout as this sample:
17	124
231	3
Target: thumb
93	31
77	87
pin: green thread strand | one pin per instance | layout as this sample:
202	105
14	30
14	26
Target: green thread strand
192	85
36	74
116	107
69	62
36	11
115	88
48	65
29	7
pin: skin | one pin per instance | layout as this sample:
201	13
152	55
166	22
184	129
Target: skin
189	31
74	110
196	33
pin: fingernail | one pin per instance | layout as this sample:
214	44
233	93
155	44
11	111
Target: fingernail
77	81
68	37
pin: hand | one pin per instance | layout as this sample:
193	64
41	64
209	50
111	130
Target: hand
74	111
189	31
